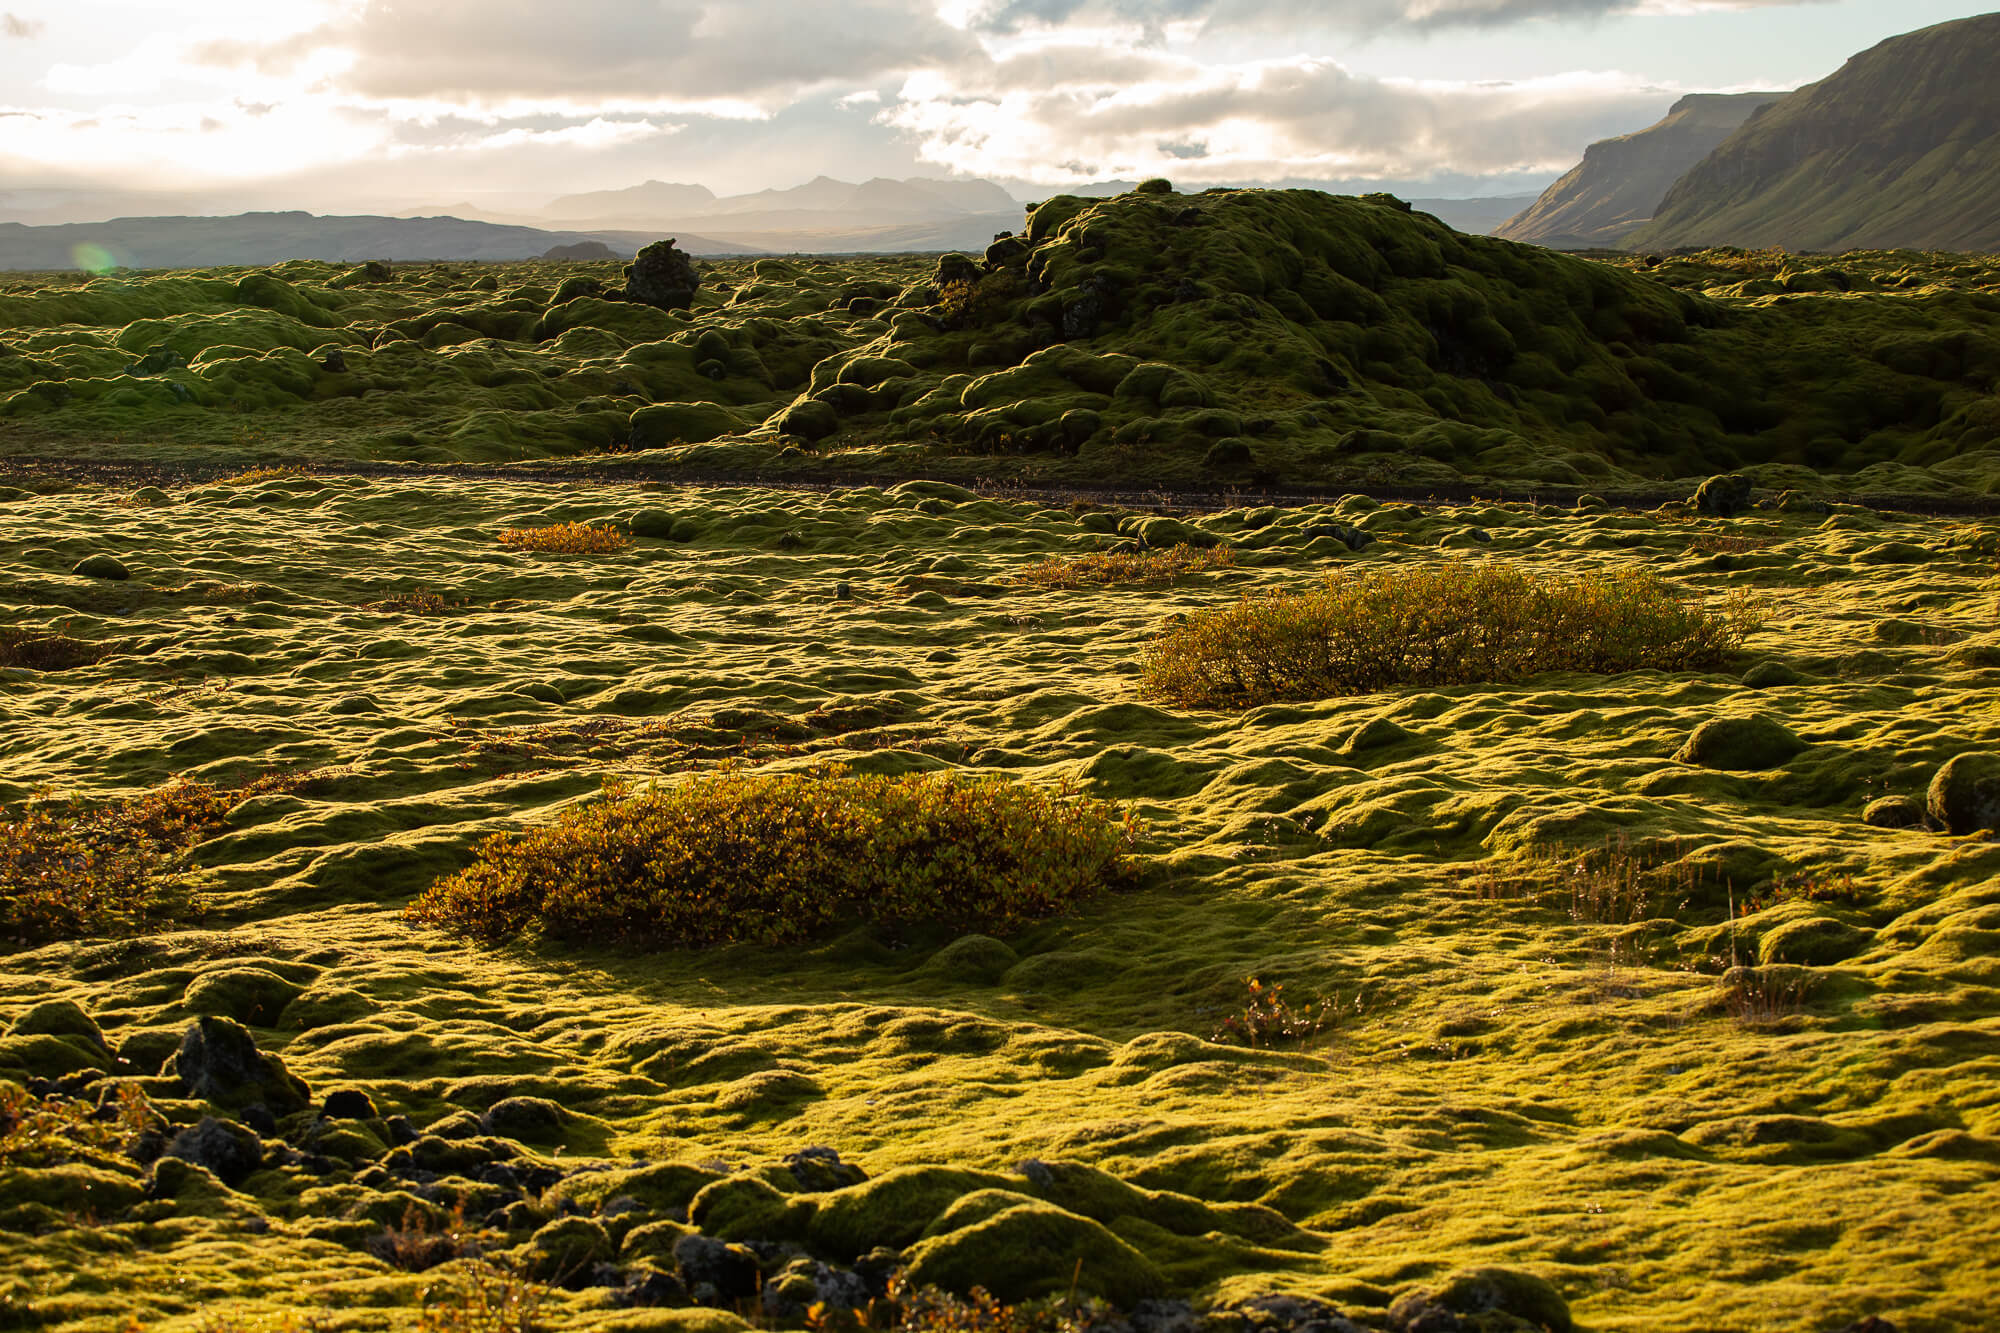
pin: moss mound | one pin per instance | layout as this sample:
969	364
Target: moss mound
774	857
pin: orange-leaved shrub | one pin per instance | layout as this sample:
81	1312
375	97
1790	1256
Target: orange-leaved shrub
567	539
740	855
1457	623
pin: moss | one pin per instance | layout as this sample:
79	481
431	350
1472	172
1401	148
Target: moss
893	1209
1034	1249
1964	797
1741	743
746	1208
252	995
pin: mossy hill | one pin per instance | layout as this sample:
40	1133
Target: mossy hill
1750	1088
1224	339
1898	149
1620	182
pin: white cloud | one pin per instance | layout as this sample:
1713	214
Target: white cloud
12	25
1070	115
1157	18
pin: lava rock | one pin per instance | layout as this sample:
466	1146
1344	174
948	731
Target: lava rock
535	1119
820	1169
648	1288
218	1061
230	1150
955	268
334	362
348	1104
1964	797
1770	675
1742	744
1893	812
1483	1300
729	1271
1723	496
101	566
662	275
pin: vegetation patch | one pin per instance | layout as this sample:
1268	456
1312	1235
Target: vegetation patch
1141	568
68	869
43	650
567	539
1460	623
745	856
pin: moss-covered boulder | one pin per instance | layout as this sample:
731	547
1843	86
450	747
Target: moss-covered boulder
1815	941
747	1208
252	995
60	1018
1893	812
45	1055
565	1250
894	1208
529	1119
977	960
231	1150
1742	744
682	423
1034	1249
218	1061
101	566
1723	496
75	1189
1483	1300
1964	797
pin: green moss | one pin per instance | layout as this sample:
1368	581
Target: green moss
1034	1249
893	1209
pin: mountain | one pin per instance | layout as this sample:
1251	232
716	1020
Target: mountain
1621	181
658	197
1898	149
1474	217
269	238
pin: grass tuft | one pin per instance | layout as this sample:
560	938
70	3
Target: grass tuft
1141	568
1459	623
567	539
738	855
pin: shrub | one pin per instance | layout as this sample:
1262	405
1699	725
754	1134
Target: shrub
1269	1019
568	538
257	476
49	1131
422	602
1452	624
737	855
1144	568
68	869
38	650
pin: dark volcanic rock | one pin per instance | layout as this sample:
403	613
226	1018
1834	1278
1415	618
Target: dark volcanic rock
218	1061
662	275
230	1150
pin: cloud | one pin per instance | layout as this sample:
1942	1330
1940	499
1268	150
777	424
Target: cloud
13	26
1156	17
684	53
1068	115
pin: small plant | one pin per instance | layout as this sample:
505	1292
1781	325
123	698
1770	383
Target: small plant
1825	889
49	1131
1718	543
912	1309
567	539
40	650
420	602
737	855
1143	568
1457	623
421	1241
480	1296
1269	1019
1761	997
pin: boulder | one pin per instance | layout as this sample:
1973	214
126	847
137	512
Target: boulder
566	1250
810	419
729	1273
246	994
1893	812
530	1119
218	1061
662	275
1035	1249
60	1018
1483	1300
1723	496
1742	744
1770	675
1813	941
102	566
348	1104
1964	797
230	1150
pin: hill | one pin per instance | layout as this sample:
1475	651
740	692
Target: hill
1228	338
273	238
1899	149
1621	181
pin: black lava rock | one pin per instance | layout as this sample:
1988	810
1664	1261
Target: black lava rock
230	1150
662	275
218	1061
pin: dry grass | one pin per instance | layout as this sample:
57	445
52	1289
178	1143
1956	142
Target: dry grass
421	602
1459	623
567	539
51	650
478	1296
1141	568
1268	1019
737	855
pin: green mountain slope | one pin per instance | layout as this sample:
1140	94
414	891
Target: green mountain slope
1899	149
1621	181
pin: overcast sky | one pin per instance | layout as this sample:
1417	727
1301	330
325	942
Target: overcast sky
374	103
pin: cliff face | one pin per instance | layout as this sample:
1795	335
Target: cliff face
1621	181
1899	149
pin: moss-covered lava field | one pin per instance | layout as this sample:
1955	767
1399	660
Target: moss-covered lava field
1659	996
1225	339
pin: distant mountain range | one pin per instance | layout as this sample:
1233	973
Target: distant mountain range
1898	149
1620	182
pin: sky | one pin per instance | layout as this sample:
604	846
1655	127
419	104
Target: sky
379	105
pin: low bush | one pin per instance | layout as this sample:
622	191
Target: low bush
421	602
40	650
1459	623
49	1131
1145	568
738	855
69	869
567	539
